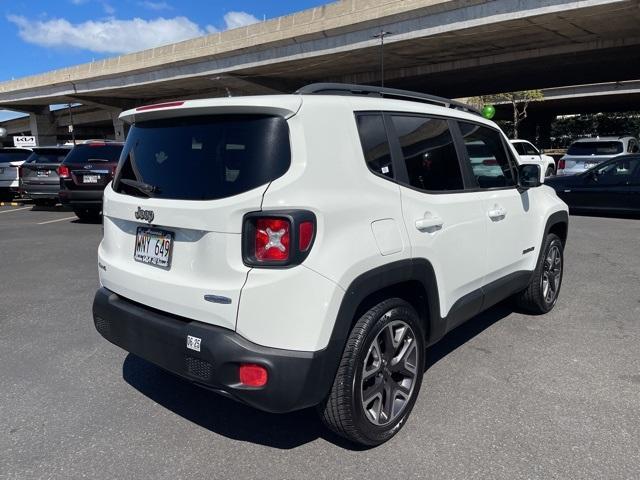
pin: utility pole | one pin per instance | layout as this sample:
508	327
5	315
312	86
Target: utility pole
381	36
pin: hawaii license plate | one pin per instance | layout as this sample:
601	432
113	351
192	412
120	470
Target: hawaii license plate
153	247
90	178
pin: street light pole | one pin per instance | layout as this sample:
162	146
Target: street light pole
381	36
71	126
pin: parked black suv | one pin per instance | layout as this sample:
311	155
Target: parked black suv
39	174
84	173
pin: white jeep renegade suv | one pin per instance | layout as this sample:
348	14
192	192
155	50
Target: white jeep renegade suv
303	250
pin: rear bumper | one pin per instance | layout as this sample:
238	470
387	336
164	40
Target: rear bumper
81	198
296	379
40	191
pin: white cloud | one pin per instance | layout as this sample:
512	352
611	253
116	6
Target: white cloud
106	36
112	35
239	19
155	5
108	9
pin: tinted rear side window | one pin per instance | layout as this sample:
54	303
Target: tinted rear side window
488	155
595	148
429	153
204	157
52	155
375	144
88	153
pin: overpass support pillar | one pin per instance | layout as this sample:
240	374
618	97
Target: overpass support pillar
43	127
118	127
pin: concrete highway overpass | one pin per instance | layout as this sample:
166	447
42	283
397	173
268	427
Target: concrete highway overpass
453	48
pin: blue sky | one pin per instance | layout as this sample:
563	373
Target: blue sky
42	35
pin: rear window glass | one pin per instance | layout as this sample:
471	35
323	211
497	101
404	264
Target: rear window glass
595	148
88	153
204	157
13	156
54	155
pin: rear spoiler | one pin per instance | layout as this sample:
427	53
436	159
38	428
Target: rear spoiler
282	105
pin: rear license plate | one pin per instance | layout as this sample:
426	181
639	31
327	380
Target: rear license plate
153	247
588	165
43	173
90	178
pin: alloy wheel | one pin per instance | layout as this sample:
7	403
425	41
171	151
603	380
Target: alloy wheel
389	373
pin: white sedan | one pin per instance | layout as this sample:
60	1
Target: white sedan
530	154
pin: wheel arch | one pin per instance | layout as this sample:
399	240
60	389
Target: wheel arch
558	223
412	280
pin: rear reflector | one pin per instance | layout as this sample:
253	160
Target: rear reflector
561	164
159	105
253	375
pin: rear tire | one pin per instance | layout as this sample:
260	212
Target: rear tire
550	171
87	214
379	376
542	293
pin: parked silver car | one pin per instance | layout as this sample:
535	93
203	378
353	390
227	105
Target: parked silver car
586	153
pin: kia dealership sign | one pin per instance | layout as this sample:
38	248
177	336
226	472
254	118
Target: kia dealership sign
24	141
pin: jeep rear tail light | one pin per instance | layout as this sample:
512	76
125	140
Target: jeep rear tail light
561	164
63	171
20	171
277	238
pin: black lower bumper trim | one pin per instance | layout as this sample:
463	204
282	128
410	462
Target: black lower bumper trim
296	379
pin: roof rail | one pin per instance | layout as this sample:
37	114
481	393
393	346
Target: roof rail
352	89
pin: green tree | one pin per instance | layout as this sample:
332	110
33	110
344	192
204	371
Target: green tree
519	101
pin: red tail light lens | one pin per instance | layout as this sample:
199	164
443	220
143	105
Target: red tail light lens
63	171
561	164
253	375
273	237
20	171
490	162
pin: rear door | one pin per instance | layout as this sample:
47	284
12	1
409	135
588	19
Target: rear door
173	219
445	222
508	214
92	165
41	167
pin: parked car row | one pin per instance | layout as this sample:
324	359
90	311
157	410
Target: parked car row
74	175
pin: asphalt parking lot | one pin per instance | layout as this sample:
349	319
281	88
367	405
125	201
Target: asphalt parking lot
505	396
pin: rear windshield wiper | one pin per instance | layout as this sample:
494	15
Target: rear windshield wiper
145	188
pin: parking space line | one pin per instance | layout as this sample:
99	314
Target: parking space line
57	220
15	210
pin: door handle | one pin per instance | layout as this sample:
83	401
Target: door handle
429	224
497	213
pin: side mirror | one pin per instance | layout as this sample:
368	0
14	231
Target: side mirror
528	176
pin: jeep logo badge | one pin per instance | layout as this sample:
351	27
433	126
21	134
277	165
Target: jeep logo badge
146	215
